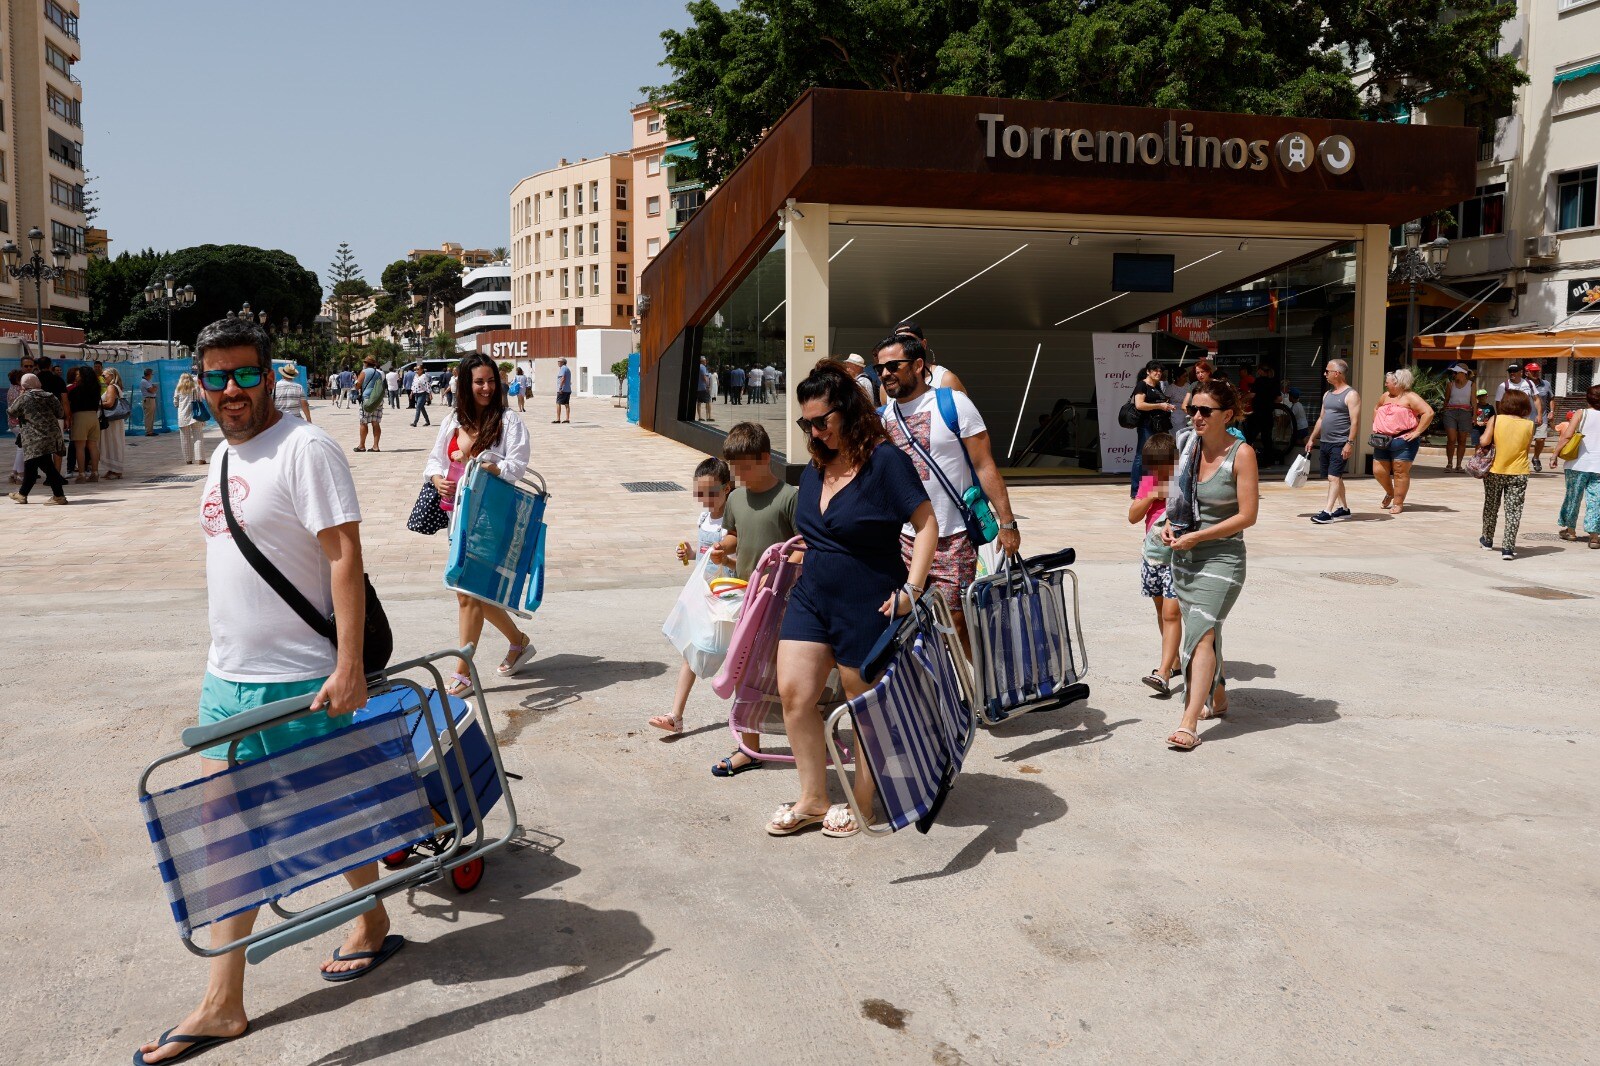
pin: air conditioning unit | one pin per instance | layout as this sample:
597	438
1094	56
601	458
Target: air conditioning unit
1543	246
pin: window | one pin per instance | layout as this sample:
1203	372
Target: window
622	236
5	217
652	206
652	166
58	59
67	24
1576	91
594	196
577	240
653	247
594	279
62	194
68	237
563	244
537	250
1482	216
536	211
563	201
577	317
685	204
563	316
594	238
577	198
653	123
622	196
538	289
1575	198
565	285
622	279
579	271
64	107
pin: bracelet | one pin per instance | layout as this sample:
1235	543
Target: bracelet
1008	525
915	590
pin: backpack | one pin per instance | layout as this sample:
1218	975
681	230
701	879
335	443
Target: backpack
372	390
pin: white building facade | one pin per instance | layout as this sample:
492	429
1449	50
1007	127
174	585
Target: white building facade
487	305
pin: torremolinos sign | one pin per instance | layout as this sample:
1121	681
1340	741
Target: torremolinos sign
1177	144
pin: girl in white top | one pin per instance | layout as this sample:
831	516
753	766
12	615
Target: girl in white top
712	483
1583	471
191	431
480	427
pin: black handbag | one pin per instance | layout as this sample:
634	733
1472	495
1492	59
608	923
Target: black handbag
427	516
377	638
1128	414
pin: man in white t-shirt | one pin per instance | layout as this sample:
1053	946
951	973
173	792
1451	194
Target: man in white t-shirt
918	426
290	491
392	380
752	382
1516	381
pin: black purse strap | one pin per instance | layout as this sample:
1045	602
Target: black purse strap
271	574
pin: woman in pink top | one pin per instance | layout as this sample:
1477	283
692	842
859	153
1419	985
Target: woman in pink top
1398	423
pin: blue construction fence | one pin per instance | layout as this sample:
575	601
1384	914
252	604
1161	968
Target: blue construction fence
167	373
633	388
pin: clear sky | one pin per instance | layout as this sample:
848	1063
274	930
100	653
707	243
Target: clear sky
391	124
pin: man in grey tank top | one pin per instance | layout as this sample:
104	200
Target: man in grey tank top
1341	409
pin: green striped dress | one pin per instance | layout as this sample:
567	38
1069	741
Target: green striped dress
1209	578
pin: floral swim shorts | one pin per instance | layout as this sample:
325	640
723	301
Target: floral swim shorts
1156	580
955	566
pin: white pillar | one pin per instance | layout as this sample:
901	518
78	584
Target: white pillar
805	291
1366	356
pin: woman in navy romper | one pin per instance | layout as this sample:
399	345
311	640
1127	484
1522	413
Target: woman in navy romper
855	494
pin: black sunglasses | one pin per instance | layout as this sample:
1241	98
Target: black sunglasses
816	425
246	377
1200	410
892	365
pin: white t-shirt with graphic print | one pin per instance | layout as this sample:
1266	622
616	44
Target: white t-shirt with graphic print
288	484
928	427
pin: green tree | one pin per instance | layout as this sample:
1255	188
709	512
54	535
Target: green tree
414	289
347	289
500	252
442	346
116	285
225	277
735	70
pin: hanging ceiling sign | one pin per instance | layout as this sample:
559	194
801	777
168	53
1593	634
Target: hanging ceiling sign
1176	144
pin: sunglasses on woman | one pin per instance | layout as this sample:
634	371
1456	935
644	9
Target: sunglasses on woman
1200	410
246	377
816	425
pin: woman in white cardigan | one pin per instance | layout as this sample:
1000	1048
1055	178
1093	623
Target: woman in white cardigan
481	427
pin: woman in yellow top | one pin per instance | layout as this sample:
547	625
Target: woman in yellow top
1509	431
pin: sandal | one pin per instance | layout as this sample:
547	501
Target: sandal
725	767
460	686
358	449
1594	540
1209	712
516	658
1384	506
195	1045
1159	683
1177	745
667	724
840	822
1567	534
787	822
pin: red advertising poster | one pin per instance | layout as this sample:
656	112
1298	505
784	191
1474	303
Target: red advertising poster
1195	330
53	334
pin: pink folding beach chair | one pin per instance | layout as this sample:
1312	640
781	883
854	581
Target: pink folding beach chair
749	675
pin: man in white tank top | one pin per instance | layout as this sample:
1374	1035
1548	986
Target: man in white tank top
939	377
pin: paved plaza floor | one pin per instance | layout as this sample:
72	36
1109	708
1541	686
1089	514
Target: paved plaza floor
1388	852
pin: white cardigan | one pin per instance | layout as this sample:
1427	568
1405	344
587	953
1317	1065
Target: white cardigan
510	454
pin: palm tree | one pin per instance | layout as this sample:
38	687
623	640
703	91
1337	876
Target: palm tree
500	253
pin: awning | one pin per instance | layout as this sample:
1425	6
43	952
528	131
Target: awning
681	150
1508	343
1577	72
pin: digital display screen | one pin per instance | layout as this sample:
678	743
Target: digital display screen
1141	273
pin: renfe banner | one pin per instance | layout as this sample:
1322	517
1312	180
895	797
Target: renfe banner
1118	359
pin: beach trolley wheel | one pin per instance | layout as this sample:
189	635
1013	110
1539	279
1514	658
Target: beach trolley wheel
397	859
466	876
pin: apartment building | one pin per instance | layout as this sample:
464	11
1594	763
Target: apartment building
666	198
442	319
487	305
41	147
573	245
1525	250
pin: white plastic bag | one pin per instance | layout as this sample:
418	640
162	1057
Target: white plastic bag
700	625
1299	471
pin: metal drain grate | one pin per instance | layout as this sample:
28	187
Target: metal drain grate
652	486
173	479
1358	577
1539	592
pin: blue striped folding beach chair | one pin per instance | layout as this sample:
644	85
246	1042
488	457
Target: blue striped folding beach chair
1020	625
914	727
497	540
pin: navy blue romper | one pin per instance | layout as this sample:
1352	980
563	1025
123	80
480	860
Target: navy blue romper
852	560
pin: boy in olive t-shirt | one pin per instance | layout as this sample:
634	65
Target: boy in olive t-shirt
759	513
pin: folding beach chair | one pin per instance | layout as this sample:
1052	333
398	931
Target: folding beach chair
1021	626
913	728
497	540
395	780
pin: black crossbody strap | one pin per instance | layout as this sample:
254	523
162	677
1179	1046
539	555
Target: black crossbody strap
271	574
927	457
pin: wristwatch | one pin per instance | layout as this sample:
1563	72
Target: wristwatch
1008	525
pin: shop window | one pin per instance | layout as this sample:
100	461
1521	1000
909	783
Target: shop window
1575	198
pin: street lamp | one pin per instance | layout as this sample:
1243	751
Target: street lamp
1415	262
166	296
36	268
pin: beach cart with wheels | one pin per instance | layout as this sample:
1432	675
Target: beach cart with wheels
497	539
1027	643
913	728
415	773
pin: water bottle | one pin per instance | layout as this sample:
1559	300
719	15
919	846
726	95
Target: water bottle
448	503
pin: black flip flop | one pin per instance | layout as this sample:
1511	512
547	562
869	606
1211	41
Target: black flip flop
725	768
391	944
196	1044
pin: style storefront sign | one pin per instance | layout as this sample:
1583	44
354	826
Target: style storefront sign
1177	144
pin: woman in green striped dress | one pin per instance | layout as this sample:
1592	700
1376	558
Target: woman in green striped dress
1208	561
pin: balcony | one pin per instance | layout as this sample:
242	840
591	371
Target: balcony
61	19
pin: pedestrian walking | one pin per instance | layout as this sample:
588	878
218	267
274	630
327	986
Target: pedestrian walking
1509	433
421	393
151	400
391	381
1544	413
944	436
1457	415
83	400
1582	470
289	485
1341	409
1398	424
480	427
702	392
114	433
564	392
1155	565
1215	498
754	379
855	494
1517	381
735	385
36	412
371	387
288	395
1155	416
13	391
191	430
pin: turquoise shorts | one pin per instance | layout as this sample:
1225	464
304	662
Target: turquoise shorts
221	700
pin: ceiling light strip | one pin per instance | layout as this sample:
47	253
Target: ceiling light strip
1096	307
969	281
